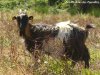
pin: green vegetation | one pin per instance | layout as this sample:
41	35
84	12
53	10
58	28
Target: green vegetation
53	6
15	59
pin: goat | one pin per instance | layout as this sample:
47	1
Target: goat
70	34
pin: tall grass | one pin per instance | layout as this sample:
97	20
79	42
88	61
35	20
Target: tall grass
16	60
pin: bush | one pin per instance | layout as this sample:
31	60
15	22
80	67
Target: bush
41	7
8	5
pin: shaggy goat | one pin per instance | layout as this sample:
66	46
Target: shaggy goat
71	35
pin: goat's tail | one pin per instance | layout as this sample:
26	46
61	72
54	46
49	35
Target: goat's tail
89	26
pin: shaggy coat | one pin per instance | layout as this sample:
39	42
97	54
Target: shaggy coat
70	34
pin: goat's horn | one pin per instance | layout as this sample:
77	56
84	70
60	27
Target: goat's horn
24	11
20	11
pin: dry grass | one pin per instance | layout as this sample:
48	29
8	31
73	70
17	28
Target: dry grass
15	59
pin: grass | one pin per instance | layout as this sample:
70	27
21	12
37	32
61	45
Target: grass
16	60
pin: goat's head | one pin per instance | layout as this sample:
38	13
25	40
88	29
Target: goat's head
22	19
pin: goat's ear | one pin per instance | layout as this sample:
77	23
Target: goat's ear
13	18
30	17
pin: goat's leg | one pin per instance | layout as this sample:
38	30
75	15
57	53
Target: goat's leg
38	49
86	63
86	57
30	45
70	54
86	60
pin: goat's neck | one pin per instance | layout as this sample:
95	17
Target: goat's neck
27	30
